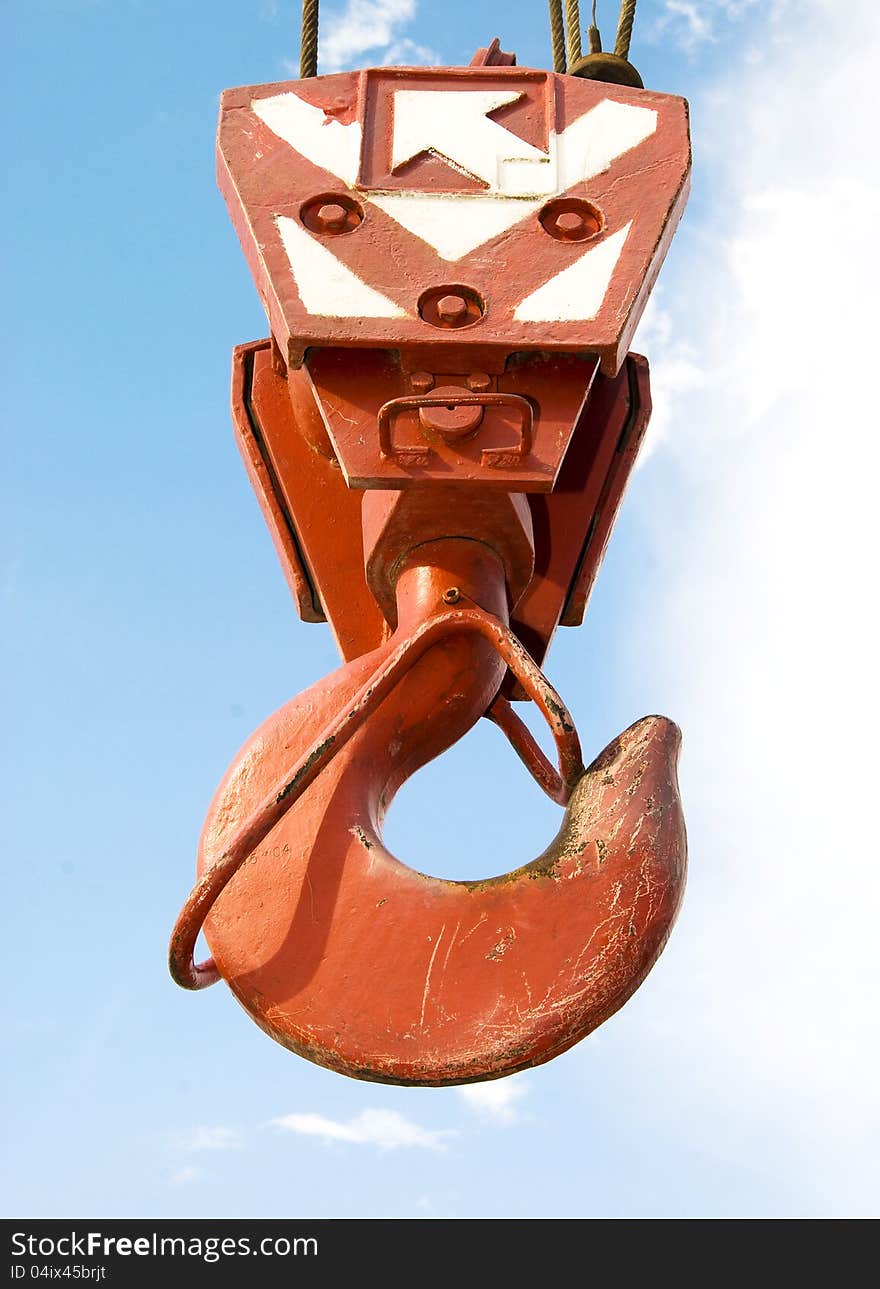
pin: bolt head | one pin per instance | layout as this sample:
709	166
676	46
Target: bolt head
331	218
452	309
570	225
421	382
479	382
571	220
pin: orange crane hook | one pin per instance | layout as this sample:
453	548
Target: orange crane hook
440	453
376	970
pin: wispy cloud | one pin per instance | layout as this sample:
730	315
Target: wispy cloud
689	23
406	53
496	1100
369	27
185	1176
766	631
211	1138
675	368
385	1129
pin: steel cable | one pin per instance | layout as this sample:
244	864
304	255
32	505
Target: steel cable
308	55
573	30
624	28
557	35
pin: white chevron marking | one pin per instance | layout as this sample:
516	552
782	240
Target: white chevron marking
577	293
326	286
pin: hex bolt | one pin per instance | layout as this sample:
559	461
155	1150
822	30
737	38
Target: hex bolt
451	595
331	218
452	309
570	225
479	382
421	381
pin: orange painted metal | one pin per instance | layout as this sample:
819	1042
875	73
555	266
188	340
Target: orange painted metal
526	414
439	434
298	487
398	523
265	178
364	965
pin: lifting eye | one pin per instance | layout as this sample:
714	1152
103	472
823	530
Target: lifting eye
571	219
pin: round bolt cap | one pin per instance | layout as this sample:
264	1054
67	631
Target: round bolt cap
571	219
452	420
451	306
479	382
570	224
331	214
452	309
421	381
331	217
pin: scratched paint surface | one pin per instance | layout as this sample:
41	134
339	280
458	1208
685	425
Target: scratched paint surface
365	965
452	168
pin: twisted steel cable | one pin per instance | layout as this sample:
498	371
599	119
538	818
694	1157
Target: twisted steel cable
308	50
557	35
573	30
624	28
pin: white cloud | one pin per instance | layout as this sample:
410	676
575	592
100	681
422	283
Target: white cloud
762	593
497	1099
693	22
215	1138
690	21
185	1176
369	27
675	368
386	1129
409	53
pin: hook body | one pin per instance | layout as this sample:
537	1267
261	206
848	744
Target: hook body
361	963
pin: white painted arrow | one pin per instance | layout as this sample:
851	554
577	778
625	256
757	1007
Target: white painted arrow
600	136
454	126
313	134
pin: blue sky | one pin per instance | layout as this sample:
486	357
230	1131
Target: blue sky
149	630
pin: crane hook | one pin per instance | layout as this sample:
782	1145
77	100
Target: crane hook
439	430
360	963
